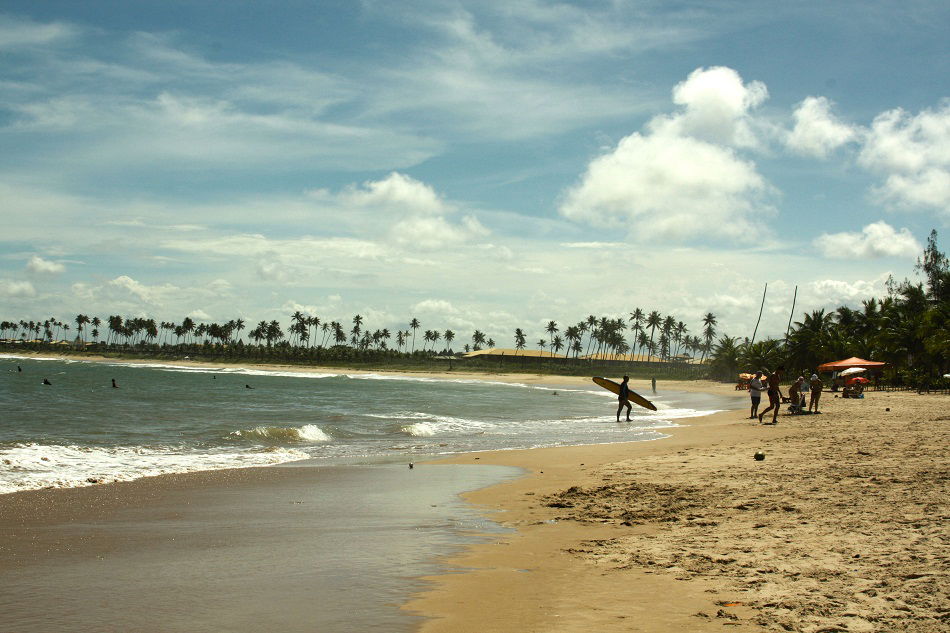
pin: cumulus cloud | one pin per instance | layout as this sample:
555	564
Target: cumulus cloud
148	294
432	233
434	306
11	289
683	176
716	107
39	266
835	292
878	239
817	131
669	186
397	192
912	153
199	315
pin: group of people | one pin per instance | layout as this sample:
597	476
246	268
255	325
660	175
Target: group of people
770	383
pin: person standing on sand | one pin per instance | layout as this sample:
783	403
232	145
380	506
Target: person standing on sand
816	386
775	393
755	393
622	398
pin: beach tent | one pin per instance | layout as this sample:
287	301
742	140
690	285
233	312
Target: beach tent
840	365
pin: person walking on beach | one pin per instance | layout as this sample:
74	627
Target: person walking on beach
755	394
816	385
622	398
775	394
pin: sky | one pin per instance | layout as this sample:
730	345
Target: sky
487	164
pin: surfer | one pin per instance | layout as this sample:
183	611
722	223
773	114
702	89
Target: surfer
775	393
46	381
622	398
19	369
246	386
114	386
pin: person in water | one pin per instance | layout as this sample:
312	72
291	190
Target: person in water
46	381
622	398
775	393
246	386
114	386
653	384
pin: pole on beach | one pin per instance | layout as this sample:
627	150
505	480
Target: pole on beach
760	314
792	315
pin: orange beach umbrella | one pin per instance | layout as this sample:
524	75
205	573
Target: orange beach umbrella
847	363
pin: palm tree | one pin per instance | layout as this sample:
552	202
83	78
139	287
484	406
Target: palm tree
709	331
449	336
654	320
414	325
478	339
551	329
519	340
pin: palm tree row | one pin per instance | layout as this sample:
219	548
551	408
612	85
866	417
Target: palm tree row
909	329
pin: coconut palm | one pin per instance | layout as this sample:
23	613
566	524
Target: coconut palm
414	325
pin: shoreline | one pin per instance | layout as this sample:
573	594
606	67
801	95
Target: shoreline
840	528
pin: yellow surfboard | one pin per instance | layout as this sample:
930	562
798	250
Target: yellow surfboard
633	396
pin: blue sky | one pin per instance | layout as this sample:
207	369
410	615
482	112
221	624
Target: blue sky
485	165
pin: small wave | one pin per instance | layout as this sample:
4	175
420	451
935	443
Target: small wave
32	466
419	429
305	433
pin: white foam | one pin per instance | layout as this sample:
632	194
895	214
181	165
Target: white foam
32	466
305	433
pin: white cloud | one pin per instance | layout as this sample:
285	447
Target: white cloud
434	306
435	233
716	107
199	315
397	192
11	289
832	293
155	295
878	239
912	152
40	266
817	131
18	33
670	186
683	177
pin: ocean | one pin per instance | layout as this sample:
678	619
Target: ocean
334	538
164	418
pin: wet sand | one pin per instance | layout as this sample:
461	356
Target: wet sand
843	527
287	548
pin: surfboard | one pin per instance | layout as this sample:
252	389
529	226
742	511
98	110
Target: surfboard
633	396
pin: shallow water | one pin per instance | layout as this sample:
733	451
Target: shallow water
164	418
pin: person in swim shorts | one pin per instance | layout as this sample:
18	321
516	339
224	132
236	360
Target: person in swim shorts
775	393
622	398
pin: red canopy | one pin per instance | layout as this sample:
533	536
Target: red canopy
854	361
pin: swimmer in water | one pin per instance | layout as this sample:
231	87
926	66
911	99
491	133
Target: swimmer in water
114	386
248	387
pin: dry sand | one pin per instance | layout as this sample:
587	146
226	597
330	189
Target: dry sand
843	527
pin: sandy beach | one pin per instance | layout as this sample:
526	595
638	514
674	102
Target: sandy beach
841	528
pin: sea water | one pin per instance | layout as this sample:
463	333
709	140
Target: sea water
164	418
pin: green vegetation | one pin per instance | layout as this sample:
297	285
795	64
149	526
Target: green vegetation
909	329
